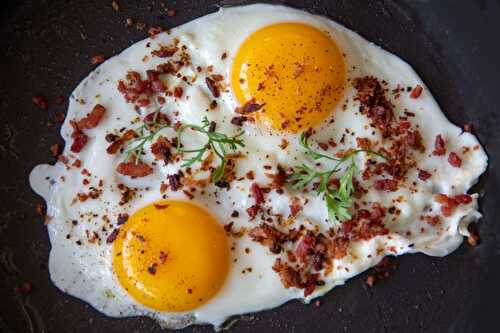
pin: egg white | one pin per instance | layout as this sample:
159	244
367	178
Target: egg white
85	271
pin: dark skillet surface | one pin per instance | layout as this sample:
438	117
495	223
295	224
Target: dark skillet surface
46	47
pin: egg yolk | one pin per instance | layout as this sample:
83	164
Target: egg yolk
171	256
295	70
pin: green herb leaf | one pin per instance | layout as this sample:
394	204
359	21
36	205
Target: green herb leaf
218	142
338	201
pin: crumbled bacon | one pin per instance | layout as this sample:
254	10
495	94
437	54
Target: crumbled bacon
134	169
439	146
454	160
174	181
279	178
269	236
364	143
40	102
289	276
178	92
97	59
55	149
295	206
249	107
153	31
257	193
424	175
117	144
389	185
239	120
416	92
156	118
213	87
165	51
161	149
79	138
374	104
92	119
448	203
112	236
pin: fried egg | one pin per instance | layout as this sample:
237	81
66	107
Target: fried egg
180	249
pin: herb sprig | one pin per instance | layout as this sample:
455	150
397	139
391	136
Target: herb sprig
218	142
147	132
338	200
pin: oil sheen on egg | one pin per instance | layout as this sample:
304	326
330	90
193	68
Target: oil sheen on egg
138	249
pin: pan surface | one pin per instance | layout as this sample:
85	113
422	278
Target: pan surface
46	49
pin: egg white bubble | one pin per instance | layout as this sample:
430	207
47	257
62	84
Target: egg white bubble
86	271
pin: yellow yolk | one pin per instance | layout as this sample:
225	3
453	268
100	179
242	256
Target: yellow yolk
296	70
171	256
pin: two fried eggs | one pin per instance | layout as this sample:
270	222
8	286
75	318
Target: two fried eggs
172	259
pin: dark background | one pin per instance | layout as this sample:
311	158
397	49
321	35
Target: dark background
45	48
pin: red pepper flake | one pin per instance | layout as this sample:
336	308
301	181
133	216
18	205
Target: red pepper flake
153	31
97	59
165	51
439	146
134	169
40	102
416	92
454	160
112	236
424	175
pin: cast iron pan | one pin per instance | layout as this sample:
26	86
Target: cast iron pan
46	48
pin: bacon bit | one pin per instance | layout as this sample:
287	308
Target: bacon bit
389	185
93	118
117	144
432	220
79	138
295	206
364	143
463	199
171	12
283	144
424	175
161	149
55	149
153	31
41	210
174	181
289	276
98	59
165	51
416	92
279	178
250	175
134	169
223	56
439	146
473	238
40	102
122	218
112	236
370	280
252	211
161	118
257	194
239	120
213	105
269	236
249	107
115	5
468	128
454	160
178	92
213	87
